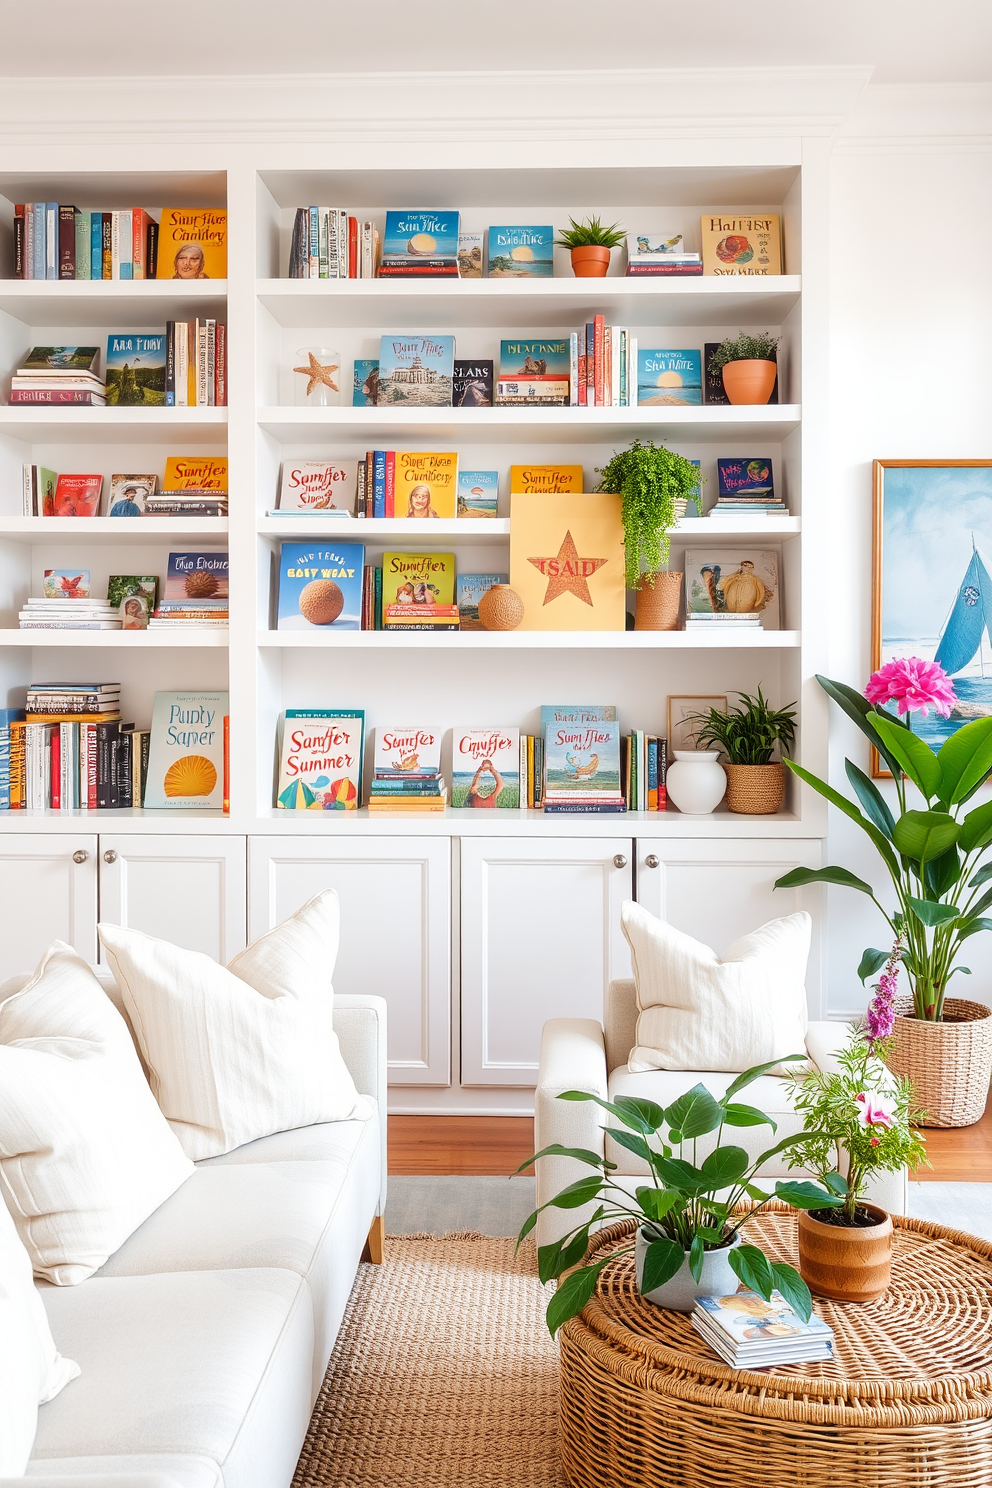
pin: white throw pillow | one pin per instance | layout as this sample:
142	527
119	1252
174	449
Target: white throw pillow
697	1011
85	1155
244	1052
31	1368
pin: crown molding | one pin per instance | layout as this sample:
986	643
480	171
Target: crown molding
924	118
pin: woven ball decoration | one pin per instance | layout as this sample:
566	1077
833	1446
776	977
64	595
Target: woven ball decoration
321	601
201	585
501	608
193	775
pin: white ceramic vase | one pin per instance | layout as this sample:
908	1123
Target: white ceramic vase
696	782
718	1279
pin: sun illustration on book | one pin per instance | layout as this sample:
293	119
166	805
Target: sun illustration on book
567	573
669	379
318	374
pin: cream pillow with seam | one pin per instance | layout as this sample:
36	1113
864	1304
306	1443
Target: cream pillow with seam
239	1052
700	1011
85	1153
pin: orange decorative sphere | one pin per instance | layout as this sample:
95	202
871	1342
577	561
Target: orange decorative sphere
501	608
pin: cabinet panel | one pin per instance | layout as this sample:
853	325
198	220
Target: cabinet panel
540	938
46	895
395	895
720	889
190	890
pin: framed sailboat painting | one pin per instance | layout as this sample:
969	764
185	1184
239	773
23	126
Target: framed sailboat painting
932	580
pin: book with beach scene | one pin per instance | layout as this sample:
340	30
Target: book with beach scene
667	378
321	759
521	253
485	768
478	493
471	588
582	766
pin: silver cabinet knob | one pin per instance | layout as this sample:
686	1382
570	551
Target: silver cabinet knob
80	855
110	856
652	860
619	861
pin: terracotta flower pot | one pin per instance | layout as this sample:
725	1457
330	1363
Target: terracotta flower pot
658	601
749	381
844	1262
949	1062
755	790
591	261
501	608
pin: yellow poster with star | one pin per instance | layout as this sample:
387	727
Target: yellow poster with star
566	561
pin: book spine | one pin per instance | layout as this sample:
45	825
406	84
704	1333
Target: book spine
363	623
662	774
27	491
608	400
51	240
123	742
323	213
146	744
352	247
313	266
377	598
151	250
107	246
590	364
539	771
96	245
115	245
389	499
573	370
40	238
192	363
87	754
652	775
125	245
30	234
82	226
105	733
379	483
170	364
220	384
360	489
55	395
139	240
55	768
20	245
211	363
599	328
295	268
181	333
226	799
332	243
4	766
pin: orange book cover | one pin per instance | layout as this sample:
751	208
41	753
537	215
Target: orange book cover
546	479
195	473
192	243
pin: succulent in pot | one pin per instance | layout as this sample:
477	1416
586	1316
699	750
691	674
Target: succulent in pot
749	364
591	245
655	485
748	735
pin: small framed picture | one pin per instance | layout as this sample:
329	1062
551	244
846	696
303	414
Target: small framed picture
135	611
682	715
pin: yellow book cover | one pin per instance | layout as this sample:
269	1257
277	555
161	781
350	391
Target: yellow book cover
546	479
742	243
566	561
426	484
192	243
195	473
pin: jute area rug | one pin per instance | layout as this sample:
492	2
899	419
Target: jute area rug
443	1374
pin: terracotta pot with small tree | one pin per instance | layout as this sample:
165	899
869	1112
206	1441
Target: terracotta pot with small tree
749	364
590	244
654	484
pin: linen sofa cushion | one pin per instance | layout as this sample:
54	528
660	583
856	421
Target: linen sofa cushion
239	1052
85	1153
150	1470
699	1011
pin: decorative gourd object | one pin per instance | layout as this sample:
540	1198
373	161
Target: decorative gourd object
321	601
193	775
743	591
201	585
501	608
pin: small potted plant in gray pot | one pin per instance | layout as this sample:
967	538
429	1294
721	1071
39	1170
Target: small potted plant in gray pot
749	364
591	245
656	485
747	735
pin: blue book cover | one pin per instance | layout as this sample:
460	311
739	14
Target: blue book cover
135	370
535	360
416	371
96	245
378	483
320	586
478	493
469	589
745	477
582	762
669	378
521	253
365	384
413	236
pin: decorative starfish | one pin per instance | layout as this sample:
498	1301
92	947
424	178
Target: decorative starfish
567	573
318	374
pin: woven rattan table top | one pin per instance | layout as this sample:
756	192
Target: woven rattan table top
923	1351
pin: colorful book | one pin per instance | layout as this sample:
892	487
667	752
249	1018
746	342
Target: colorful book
420	243
78	495
407	754
129	494
471	588
533	371
318	485
61	359
320	586
478	493
365	382
470	246
321	761
122	586
551	480
197	578
416	371
66	583
425	484
195	473
576	713
669	378
186	754
660	247
744	477
485	768
192	243
418	591
135	370
733	582
741	243
521	253
473	385
582	765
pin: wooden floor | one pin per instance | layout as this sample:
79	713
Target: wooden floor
499	1144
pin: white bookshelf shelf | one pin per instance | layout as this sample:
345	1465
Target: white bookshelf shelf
105	302
478	531
528	640
126	640
114	531
67	425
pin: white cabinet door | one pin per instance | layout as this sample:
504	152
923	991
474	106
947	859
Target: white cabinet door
47	892
721	888
190	890
540	938
395	895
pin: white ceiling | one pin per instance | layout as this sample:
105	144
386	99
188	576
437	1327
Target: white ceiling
907	41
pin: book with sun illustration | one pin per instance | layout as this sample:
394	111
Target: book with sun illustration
321	759
582	767
567	561
669	378
521	253
420	244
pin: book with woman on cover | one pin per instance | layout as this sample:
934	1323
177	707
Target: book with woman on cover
192	243
485	768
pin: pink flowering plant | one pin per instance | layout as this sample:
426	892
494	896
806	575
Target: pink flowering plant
934	854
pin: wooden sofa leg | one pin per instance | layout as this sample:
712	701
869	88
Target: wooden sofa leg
374	1244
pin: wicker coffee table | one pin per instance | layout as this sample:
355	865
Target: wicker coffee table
906	1401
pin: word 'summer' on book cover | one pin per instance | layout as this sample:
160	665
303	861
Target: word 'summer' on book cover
666	378
192	243
416	371
320	586
321	763
425	484
521	253
485	768
318	485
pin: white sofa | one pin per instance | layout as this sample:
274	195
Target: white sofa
204	1340
580	1054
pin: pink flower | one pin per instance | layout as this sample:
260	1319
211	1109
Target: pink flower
881	1015
875	1110
914	684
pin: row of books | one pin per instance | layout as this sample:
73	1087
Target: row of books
59	241
194	486
195	594
328	243
185	366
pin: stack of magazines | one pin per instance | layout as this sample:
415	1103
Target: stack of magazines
723	620
750	1333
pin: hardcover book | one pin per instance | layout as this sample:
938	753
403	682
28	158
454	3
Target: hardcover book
728	581
61	359
669	378
416	371
485	768
321	762
470	255
407	753
135	371
548	480
365	382
418	591
578	713
320	586
186	757
425	484
78	495
192	243
478	493
741	243
195	473
521	253
745	477
531	371
318	485
121	586
199	578
129	494
657	247
582	764
420	242
471	588
473	385
64	583
567	561
714	391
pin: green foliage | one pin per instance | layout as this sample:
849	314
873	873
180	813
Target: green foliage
744	348
650	479
590	234
748	733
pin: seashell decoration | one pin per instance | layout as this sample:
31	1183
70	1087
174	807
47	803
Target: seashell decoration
192	775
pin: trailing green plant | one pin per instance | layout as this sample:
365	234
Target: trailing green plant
744	347
590	234
748	733
678	1210
650	479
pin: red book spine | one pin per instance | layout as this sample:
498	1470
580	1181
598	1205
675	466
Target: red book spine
220	372
608	368
581	380
352	247
598	324
54	395
227	765
19	270
390	501
55	769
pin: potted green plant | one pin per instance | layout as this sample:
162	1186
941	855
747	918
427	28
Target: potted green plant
747	735
655	485
689	1218
935	858
591	245
749	364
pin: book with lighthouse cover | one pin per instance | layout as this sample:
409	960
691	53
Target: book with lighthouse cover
186	756
321	759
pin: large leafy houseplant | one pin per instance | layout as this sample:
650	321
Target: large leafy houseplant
678	1210
649	479
748	733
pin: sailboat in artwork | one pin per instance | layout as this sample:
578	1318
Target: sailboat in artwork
970	617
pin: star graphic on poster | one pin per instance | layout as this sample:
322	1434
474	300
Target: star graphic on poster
567	573
318	374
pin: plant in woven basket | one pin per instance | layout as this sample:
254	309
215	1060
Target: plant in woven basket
933	857
745	347
590	234
685	1210
748	733
649	479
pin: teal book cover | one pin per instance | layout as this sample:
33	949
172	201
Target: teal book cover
578	713
469	589
521	253
135	370
581	760
669	378
534	359
320	586
365	383
416	371
478	493
421	235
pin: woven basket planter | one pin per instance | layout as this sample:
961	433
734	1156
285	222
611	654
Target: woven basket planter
755	790
658	598
949	1063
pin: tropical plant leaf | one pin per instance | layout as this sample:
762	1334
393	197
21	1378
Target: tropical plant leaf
849	809
576	1194
941	874
723	1167
806	1195
634	1142
648	1111
681	1175
573	1294
858	709
872	960
696	1252
553	1260
965	759
581	1154
923	835
793	1289
837	1183
662	1260
797	878
972	927
527	1226
916	757
757	1194
976	832
931	914
756	1071
985	872
629	1117
657	1202
695	1113
754	1269
873	802
740	1115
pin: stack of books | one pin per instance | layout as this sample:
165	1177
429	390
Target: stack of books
534	373
660	254
420	245
582	759
407	771
749	1333
327	243
746	488
728	620
191	487
66	605
59	374
72	752
195	595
